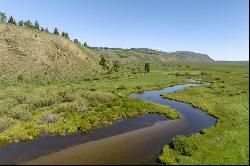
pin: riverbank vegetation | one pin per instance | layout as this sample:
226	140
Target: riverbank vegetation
226	98
31	108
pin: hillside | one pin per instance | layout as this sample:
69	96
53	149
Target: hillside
142	55
31	53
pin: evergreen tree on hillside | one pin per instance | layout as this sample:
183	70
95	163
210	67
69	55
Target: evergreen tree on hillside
147	67
42	29
36	25
56	32
28	24
76	41
103	62
85	44
64	34
3	17
11	20
20	23
46	30
116	65
67	35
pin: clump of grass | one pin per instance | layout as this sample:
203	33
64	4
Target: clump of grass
100	96
70	107
121	87
217	78
47	118
5	123
168	156
68	98
20	77
182	145
20	97
20	112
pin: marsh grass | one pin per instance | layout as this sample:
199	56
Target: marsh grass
226	142
64	106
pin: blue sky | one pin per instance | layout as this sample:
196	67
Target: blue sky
218	28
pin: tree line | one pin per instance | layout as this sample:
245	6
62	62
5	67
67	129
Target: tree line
28	24
35	25
116	65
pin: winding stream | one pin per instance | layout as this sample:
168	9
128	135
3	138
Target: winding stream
128	141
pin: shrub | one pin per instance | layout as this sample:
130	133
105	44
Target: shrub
68	98
100	96
147	67
222	86
181	144
167	156
103	62
121	87
6	106
178	74
217	78
20	112
65	107
139	87
38	102
70	107
5	123
47	118
20	77
20	97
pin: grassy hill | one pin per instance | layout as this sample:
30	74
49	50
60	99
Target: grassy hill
142	55
31	53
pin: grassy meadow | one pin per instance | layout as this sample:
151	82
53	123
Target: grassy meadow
52	85
30	108
226	98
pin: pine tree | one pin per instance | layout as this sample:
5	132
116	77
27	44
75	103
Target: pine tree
20	23
103	62
11	20
76	41
85	44
36	25
3	17
28	24
116	65
64	34
56	32
42	29
46	30
147	67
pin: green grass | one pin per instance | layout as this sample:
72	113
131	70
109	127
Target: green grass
226	98
66	106
63	106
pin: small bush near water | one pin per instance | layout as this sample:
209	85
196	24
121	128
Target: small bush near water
47	118
181	144
5	123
